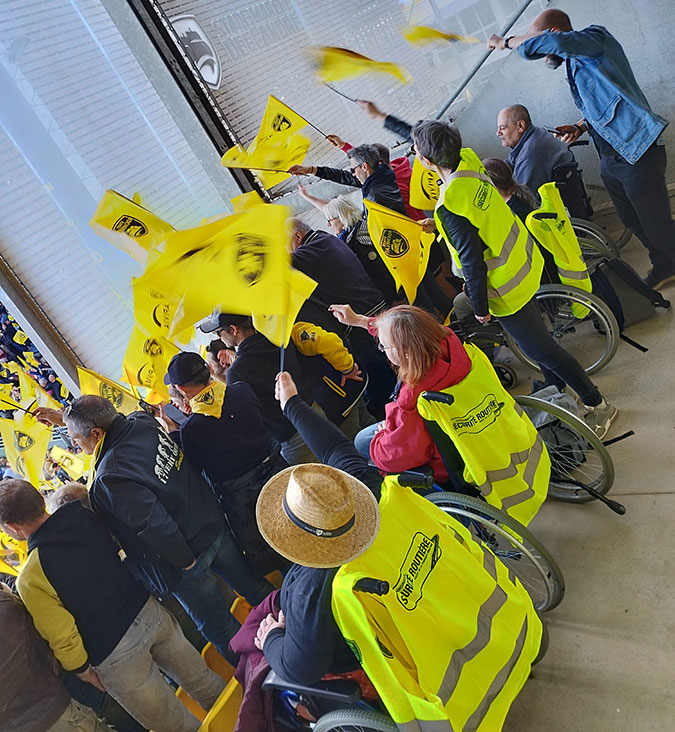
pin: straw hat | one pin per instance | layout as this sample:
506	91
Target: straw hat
317	516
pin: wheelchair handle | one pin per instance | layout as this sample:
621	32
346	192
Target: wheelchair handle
544	215
438	396
416	479
372	586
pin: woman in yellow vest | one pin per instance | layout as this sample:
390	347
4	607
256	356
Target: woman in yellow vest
500	261
449	636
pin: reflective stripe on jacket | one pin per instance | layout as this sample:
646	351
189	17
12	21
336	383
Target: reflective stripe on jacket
513	261
552	228
504	455
450	644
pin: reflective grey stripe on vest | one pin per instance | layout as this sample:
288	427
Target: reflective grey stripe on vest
419	725
517	278
503	257
532	457
498	683
470	174
572	274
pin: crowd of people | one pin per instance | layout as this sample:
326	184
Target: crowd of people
253	469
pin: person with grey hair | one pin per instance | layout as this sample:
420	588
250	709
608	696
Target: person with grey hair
67	493
162	512
534	151
367	172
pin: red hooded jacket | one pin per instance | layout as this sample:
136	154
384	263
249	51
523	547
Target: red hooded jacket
404	442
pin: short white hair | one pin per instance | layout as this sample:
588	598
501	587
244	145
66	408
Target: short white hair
345	209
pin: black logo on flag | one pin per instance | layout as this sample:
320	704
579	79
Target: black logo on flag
280	122
130	226
153	347
393	244
22	441
111	393
250	258
146	375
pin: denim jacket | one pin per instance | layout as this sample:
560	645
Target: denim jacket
603	87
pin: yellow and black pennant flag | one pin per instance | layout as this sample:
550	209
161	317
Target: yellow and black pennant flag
402	244
123	399
424	187
336	64
26	442
128	226
75	465
146	361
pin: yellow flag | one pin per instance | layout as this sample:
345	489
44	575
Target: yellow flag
75	465
277	328
276	154
278	121
235	264
146	361
402	244
153	310
13	553
336	64
246	200
128	226
424	187
6	393
93	383
28	387
420	35
26	442
29	358
44	399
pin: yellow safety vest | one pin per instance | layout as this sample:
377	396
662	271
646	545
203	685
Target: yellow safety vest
451	643
557	235
504	455
513	260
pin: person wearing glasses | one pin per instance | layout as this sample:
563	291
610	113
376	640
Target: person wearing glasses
162	512
426	357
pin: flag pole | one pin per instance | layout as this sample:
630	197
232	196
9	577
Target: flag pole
14	405
323	134
251	167
332	88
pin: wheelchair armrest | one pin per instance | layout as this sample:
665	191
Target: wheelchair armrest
340	691
423	478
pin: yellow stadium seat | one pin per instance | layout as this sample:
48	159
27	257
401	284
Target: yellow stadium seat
224	713
191	704
216	662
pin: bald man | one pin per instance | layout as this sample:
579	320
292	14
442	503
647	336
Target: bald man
534	152
617	116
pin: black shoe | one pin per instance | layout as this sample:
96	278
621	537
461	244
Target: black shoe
657	279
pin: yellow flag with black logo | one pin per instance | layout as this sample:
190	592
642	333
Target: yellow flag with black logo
278	328
123	399
128	225
336	64
153	310
29	358
420	35
279	120
146	362
425	187
75	465
26	442
209	401
237	263
270	159
402	244
246	200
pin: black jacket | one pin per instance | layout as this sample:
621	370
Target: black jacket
156	504
398	127
338	272
380	186
311	645
226	447
358	239
257	363
73	563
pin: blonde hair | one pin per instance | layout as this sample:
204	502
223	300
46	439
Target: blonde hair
345	209
417	338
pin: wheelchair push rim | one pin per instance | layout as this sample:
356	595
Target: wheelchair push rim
592	339
512	543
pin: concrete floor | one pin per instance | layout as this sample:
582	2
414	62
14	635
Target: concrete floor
610	666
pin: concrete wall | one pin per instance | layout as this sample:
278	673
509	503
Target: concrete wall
643	27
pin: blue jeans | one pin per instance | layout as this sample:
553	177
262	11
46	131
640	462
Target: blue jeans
364	438
199	593
528	330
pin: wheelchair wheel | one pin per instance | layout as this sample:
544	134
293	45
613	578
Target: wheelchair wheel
602	205
592	339
511	542
507	376
591	236
354	720
570	469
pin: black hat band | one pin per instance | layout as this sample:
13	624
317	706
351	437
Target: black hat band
321	533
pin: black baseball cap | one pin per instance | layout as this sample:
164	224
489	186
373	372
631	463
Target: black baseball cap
221	320
184	367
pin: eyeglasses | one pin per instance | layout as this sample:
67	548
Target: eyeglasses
330	220
413	150
382	347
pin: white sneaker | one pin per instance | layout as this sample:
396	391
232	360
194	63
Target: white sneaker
600	417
